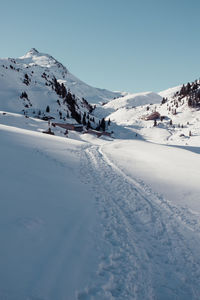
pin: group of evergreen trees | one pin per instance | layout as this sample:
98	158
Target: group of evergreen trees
164	100
87	105
102	125
24	95
71	103
192	92
27	80
70	100
86	120
60	89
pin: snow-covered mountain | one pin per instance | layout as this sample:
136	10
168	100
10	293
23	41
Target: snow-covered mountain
169	117
126	103
37	85
88	216
36	65
169	93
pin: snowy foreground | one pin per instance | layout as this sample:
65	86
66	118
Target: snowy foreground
87	218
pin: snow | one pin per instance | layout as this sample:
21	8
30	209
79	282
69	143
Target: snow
97	218
153	243
33	75
76	86
89	218
169	171
169	93
47	230
128	120
134	100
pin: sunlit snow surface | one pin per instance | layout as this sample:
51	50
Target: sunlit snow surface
99	218
89	218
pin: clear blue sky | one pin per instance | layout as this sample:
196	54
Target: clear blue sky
131	45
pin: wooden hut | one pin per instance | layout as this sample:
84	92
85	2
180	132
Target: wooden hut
67	126
153	116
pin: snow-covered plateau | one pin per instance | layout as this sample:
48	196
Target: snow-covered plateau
90	214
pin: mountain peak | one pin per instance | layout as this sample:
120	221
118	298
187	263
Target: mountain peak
33	51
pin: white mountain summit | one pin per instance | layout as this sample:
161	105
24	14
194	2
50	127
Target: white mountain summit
76	86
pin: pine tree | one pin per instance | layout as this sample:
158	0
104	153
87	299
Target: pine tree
63	91
26	79
103	124
47	109
88	124
188	88
190	102
164	100
183	90
84	119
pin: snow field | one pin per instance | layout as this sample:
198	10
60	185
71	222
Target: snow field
96	218
48	220
153	246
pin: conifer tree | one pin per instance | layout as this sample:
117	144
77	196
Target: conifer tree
88	124
103	124
84	119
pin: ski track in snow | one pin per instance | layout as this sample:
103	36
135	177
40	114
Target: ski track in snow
152	247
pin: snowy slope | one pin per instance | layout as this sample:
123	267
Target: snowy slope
122	111
172	172
96	218
132	100
37	85
77	87
32	75
169	93
41	68
127	102
179	125
48	231
153	244
86	221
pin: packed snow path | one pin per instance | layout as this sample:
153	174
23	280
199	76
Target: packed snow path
107	237
151	248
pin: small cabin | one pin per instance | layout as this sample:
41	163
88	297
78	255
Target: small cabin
154	116
67	126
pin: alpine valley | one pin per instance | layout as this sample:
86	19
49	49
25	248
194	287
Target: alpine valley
99	189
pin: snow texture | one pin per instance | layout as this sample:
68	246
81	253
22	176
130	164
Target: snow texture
97	218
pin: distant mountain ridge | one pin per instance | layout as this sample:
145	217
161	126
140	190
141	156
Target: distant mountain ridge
37	85
76	86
